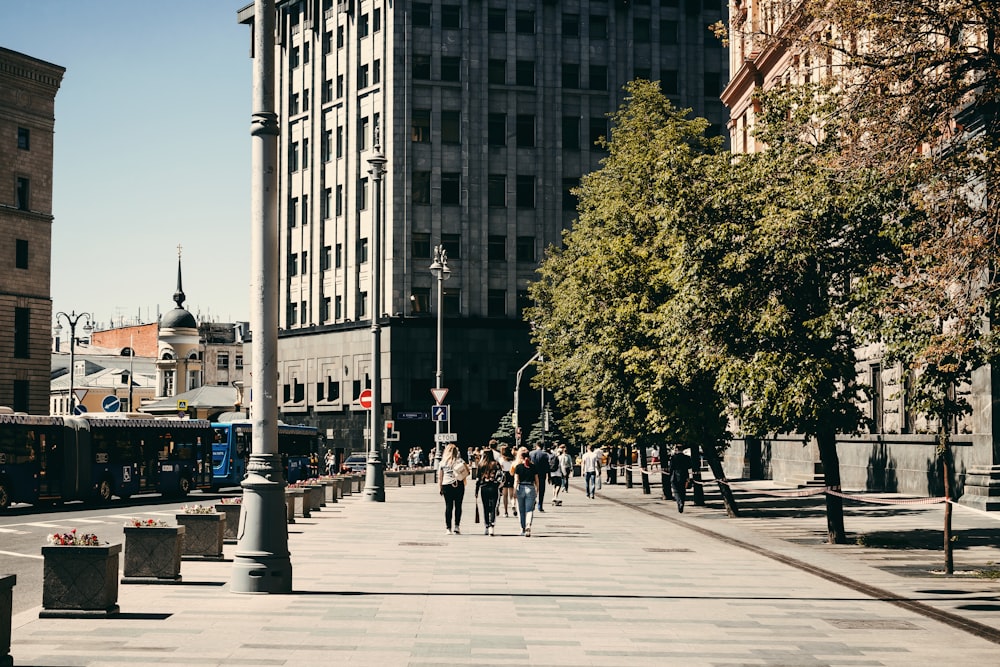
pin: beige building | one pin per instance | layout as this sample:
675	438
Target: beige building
28	88
487	113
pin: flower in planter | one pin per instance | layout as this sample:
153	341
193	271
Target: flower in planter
145	523
72	539
198	509
232	500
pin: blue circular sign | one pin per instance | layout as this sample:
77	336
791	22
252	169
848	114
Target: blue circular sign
79	409
111	404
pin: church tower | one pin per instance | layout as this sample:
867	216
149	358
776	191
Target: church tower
178	357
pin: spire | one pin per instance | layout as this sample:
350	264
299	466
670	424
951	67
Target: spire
179	294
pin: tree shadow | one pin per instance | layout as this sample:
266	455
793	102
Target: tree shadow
926	539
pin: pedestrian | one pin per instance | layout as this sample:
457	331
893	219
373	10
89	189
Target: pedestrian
526	481
555	476
395	460
565	463
451	485
679	468
488	488
330	463
590	466
507	486
540	461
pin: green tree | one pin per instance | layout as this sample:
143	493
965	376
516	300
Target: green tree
504	432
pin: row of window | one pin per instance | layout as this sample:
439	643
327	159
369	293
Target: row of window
222	361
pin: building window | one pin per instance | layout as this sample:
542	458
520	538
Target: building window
713	85
523	302
668	81
524	73
339	200
22	395
363	304
598	77
21	253
222	361
377	19
377	72
363	26
496	303
524	22
451	127
496	19
420	128
340	141
362	251
571	132
421	187
642	73
326	259
23	139
340	86
22	194
293	104
525	191
22	333
340	36
293	265
363	134
421	245
571	25
293	57
451	184
497	72
668	33
293	157
598	26
324	316
497	190
293	212
526	248
363	76
452	305
569	200
640	30
451	16
451	68
525	131
238	363
326	148
338	255
324	203
328	42
496	130
422	13
598	129
292	317
338	307
421	67
571	75
497	248
420	300
363	194
452	243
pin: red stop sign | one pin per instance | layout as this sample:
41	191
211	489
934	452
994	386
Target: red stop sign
365	399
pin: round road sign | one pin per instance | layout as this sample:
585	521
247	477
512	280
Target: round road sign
365	399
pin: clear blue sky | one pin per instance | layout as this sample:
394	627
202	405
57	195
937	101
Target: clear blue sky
152	150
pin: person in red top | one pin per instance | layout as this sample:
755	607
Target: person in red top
395	459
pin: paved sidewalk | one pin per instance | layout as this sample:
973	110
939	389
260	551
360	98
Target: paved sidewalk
600	582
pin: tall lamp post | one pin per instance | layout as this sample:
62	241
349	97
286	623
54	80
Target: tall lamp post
440	271
375	467
72	320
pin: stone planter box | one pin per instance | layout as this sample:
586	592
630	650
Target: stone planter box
347	484
329	490
232	512
80	582
289	506
7	582
393	480
357	483
203	537
297	499
338	487
153	554
314	496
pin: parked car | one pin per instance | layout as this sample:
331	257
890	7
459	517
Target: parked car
355	463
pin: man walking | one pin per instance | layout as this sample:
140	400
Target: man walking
679	467
565	465
590	466
540	462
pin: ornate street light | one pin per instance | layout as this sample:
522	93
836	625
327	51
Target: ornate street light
72	319
441	272
375	467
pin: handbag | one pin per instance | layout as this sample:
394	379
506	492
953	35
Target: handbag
477	512
460	469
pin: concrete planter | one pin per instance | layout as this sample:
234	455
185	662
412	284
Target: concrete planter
290	505
153	554
7	582
347	483
314	496
339	487
80	582
329	490
297	499
357	483
232	512
203	538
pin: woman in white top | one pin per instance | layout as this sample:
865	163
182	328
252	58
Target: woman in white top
451	488
507	486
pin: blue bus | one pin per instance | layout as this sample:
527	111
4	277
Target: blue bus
231	446
57	459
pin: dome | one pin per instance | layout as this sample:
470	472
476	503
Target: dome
178	318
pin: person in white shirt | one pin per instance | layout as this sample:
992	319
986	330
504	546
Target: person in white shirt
560	482
590	466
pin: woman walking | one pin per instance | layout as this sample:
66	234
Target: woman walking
507	486
526	483
488	488
451	487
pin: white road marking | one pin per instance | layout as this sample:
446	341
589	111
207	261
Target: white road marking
12	553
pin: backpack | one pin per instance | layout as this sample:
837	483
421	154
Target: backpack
553	462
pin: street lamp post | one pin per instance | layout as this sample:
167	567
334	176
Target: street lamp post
440	271
72	320
375	467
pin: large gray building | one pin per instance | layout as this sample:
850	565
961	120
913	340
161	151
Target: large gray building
487	112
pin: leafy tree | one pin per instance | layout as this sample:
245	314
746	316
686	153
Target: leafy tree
505	432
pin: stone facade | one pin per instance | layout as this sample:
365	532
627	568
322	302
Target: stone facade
28	89
487	113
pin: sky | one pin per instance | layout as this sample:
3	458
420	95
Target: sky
152	151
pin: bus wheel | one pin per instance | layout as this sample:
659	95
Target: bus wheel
183	486
104	491
4	496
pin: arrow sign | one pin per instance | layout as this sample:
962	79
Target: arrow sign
365	399
111	404
439	413
439	394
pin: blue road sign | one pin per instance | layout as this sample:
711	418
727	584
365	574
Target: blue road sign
412	415
111	404
79	410
439	413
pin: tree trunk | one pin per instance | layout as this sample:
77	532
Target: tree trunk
697	490
628	466
712	457
945	453
827	441
643	469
